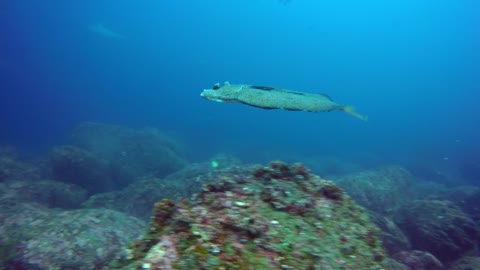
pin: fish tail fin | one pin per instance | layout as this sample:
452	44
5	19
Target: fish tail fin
351	110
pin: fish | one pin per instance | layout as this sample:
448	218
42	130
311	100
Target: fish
104	31
266	97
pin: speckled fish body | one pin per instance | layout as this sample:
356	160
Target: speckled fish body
274	98
270	98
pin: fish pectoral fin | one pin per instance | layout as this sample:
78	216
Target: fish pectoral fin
351	110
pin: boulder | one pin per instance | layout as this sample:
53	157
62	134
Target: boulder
438	227
379	190
275	217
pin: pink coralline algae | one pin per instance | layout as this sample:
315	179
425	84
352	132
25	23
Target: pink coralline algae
275	217
163	255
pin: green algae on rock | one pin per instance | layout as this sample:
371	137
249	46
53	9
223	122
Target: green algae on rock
275	217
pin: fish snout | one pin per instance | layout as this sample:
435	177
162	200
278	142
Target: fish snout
211	95
205	93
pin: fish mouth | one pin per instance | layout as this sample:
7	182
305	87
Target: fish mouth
205	95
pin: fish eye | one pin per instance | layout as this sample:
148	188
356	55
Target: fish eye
216	86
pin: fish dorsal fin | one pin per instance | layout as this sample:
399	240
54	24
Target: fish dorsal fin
227	83
326	96
265	88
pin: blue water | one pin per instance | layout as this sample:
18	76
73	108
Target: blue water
412	66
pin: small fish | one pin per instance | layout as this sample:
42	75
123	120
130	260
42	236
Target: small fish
266	97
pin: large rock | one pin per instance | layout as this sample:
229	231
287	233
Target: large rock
74	165
51	194
36	233
35	237
138	153
393	239
391	264
466	263
428	190
379	190
103	158
468	199
331	166
418	260
438	227
275	217
138	198
12	168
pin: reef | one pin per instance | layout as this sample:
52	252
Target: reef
468	199
51	194
138	198
419	218
103	158
416	259
438	227
144	152
331	167
41	227
35	237
466	263
275	217
70	164
393	239
12	168
77	239
377	190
